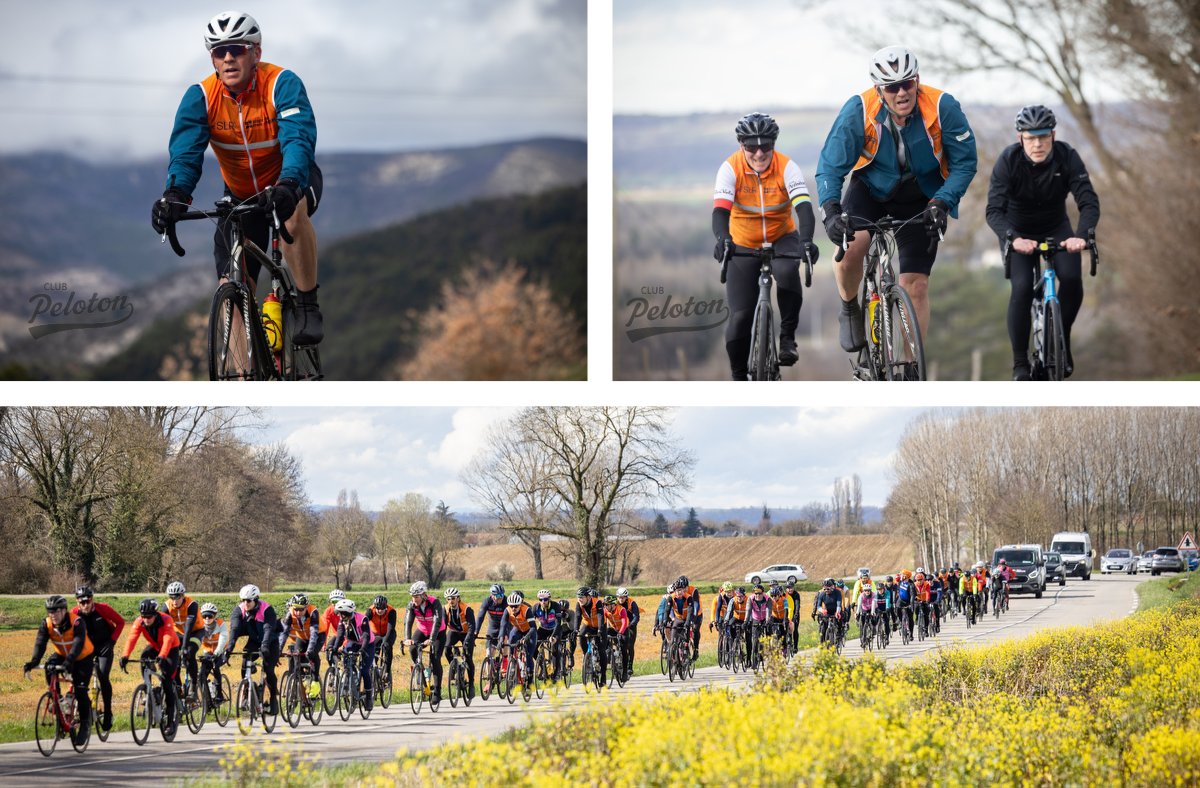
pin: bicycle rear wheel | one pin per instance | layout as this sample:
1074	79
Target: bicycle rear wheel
1055	347
764	361
903	349
236	350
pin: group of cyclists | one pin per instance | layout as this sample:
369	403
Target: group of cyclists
910	154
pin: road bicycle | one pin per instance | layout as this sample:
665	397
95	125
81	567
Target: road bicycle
301	691
882	630
763	362
148	708
1048	350
241	344
894	350
922	621
616	661
329	683
543	664
218	692
248	701
382	683
866	631
193	701
56	715
492	669
349	686
827	629
458	686
420	683
518	671
756	638
722	644
593	675
98	707
906	625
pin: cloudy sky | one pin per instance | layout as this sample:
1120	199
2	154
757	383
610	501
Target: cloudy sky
745	456
105	78
681	56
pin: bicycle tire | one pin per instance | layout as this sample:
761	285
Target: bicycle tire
383	688
314	707
244	707
452	686
416	693
870	358
1055	349
539	671
139	715
194	712
98	710
902	332
345	701
510	679
234	313
525	680
664	657
486	669
45	724
289	689
267	720
761	345
329	688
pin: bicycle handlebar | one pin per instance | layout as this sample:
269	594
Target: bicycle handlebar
1048	248
224	209
884	224
766	251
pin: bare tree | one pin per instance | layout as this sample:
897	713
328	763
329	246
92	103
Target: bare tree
427	536
344	534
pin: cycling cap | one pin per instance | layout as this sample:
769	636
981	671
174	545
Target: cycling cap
346	606
893	64
758	127
583	591
298	600
496	590
232	27
514	598
176	589
544	594
208	607
147	607
1035	119
336	594
418	588
248	592
380	602
452	593
56	602
84	592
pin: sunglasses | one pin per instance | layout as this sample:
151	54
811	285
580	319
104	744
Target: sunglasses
237	50
84	600
896	87
767	148
208	616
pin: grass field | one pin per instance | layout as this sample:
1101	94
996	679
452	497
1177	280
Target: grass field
20	617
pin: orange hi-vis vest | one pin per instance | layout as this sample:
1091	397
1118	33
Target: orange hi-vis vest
739	608
588	616
761	209
379	621
298	627
243	131
63	642
779	607
209	642
520	619
179	616
873	128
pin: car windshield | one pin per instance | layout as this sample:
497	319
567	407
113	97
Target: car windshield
1171	551
1148	554
1119	553
1014	557
1070	548
1053	558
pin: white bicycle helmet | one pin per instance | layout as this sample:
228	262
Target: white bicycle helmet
622	592
208	607
544	594
336	594
232	27
418	588
893	64
345	606
452	593
514	598
248	592
176	588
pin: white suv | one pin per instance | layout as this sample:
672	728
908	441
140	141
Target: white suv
781	572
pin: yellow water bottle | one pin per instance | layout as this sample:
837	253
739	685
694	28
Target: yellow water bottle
871	307
272	320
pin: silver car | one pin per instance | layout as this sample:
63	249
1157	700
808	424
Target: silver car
1167	559
784	573
1119	559
1143	563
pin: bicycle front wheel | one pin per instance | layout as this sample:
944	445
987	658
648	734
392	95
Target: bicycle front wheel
384	685
139	715
236	350
486	670
903	349
45	725
291	700
416	689
195	710
329	690
1055	350
763	360
245	706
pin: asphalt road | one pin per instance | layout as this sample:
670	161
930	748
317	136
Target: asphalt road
120	761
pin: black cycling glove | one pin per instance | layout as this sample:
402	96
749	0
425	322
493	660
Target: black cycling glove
282	197
837	225
163	215
936	217
809	251
724	243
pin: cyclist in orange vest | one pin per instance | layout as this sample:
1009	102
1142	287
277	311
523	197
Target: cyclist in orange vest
214	639
301	624
382	618
258	120
910	152
73	651
756	191
185	612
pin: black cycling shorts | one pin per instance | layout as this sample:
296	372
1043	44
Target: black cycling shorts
255	228
912	241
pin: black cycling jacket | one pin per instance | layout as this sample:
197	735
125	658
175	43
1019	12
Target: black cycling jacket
1031	199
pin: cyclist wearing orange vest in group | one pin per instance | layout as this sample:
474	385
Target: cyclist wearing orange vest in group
260	124
720	604
589	625
900	169
756	190
214	639
382	618
73	651
185	612
301	624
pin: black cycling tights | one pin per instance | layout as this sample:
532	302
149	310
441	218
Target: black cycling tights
1070	293
741	289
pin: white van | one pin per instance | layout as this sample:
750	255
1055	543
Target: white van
1075	547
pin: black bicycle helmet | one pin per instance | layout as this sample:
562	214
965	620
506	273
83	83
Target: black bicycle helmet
380	602
1035	117
583	591
147	607
756	128
56	602
84	592
682	581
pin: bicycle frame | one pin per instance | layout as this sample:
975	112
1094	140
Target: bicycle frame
763	362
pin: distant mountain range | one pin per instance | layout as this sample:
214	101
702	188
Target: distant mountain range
69	226
750	515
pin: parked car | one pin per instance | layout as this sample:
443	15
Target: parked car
1056	571
1167	559
1143	564
1193	559
1119	559
781	572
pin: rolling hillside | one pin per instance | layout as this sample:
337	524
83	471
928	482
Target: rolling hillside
711	559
